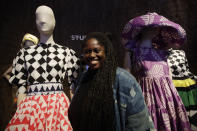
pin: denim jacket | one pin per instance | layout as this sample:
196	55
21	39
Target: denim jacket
130	108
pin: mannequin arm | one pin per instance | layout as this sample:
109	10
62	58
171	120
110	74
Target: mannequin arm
170	73
127	61
20	98
6	74
72	91
71	94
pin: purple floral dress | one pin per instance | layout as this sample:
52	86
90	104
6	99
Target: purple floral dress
162	99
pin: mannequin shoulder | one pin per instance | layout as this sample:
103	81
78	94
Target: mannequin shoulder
66	49
60	46
55	45
178	53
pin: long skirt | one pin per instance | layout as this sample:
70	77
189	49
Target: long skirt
187	89
164	104
42	113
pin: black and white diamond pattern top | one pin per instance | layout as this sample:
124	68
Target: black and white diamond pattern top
43	63
179	65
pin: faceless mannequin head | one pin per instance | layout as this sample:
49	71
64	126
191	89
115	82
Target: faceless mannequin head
146	36
148	33
45	20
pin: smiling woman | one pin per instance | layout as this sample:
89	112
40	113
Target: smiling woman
107	97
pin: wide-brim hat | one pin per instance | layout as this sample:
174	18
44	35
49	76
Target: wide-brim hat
137	24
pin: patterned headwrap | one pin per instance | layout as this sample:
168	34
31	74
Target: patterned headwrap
29	37
135	26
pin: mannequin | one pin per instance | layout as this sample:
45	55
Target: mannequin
28	40
42	69
149	66
145	41
45	25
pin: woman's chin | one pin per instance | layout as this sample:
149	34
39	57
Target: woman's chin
94	67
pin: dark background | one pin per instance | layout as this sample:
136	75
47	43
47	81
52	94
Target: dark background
78	17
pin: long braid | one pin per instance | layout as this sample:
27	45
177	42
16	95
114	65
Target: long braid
98	106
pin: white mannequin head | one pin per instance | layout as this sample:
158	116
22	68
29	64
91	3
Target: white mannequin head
45	20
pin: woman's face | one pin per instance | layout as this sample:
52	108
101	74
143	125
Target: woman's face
28	43
94	53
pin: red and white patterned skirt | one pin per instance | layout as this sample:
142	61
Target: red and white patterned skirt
42	113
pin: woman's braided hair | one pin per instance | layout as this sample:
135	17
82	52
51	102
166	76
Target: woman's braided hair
98	107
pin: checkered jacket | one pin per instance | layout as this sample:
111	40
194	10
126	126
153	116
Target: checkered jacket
43	63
